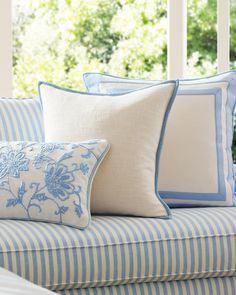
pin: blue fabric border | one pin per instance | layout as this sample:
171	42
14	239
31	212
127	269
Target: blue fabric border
221	195
158	152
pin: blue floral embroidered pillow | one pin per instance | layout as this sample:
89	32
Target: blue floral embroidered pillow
49	181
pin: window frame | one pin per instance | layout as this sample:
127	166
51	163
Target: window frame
6	68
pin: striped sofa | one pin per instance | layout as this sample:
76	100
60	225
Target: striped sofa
193	253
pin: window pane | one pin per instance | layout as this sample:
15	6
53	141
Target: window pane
202	37
59	40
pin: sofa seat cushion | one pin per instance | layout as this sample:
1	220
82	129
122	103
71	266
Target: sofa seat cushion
195	243
210	286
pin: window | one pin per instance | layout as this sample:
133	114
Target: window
59	40
202	38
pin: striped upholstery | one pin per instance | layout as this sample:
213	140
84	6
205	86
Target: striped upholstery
211	286
21	120
195	243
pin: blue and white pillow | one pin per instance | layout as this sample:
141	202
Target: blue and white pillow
49	182
21	120
196	167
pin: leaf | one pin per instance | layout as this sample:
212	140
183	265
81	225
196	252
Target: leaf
92	142
65	156
21	191
4	184
78	209
84	168
75	146
13	202
40	197
61	210
88	154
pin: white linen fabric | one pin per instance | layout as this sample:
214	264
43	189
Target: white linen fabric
11	284
196	166
134	124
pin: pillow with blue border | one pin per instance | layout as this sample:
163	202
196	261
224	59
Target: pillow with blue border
196	167
134	125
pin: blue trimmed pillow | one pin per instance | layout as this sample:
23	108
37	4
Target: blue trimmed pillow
21	120
196	167
134	125
49	182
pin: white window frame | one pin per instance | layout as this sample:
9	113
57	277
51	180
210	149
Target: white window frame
177	41
223	37
6	76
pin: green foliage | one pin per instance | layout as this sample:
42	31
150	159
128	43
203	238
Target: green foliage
202	37
59	40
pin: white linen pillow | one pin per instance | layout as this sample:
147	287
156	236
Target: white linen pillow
134	125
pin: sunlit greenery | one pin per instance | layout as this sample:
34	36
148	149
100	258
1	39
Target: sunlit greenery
59	40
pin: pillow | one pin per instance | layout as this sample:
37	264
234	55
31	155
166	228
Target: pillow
94	83
49	181
21	120
196	163
134	124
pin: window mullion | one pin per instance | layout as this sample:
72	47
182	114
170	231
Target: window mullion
223	47
6	77
177	38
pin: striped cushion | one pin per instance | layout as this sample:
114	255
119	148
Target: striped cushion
212	286
21	120
195	243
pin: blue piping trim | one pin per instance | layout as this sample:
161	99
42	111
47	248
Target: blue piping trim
163	129
101	94
87	74
158	152
89	83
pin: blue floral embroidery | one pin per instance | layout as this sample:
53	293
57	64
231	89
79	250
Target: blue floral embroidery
58	174
12	163
59	180
38	159
84	168
50	147
78	209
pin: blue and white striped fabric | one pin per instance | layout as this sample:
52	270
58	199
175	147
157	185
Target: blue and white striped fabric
195	243
211	286
21	120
